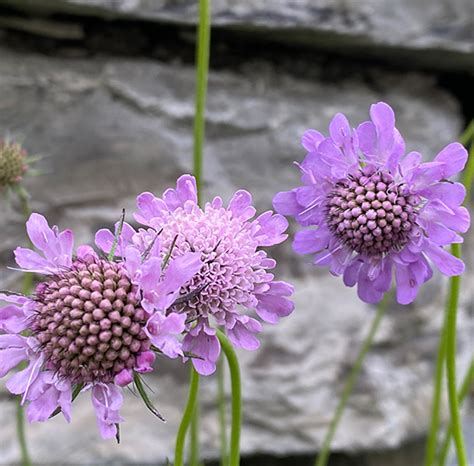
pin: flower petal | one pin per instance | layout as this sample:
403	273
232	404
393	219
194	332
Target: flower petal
207	349
311	241
185	191
241	205
454	158
311	139
272	228
446	262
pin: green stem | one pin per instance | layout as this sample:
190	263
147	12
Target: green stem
202	59
430	451
187	416
20	428
468	174
194	447
451	363
468	134
202	71
323	457
27	286
227	348
467	138
222	410
463	392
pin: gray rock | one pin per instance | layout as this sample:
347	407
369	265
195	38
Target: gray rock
111	128
436	32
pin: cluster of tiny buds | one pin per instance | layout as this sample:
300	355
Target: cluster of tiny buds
370	213
89	322
12	163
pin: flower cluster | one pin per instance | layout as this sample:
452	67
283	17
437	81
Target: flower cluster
375	210
95	321
235	273
84	328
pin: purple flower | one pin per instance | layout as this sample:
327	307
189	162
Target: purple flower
88	324
374	210
234	276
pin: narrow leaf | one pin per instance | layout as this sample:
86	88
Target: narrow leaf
144	396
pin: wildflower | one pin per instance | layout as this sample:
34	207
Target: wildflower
374	210
235	272
84	326
13	164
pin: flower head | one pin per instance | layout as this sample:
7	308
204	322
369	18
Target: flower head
235	272
13	163
374	210
85	326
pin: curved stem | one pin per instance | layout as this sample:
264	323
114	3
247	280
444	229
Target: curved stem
222	410
463	392
431	443
348	387
186	420
451	363
234	452
194	444
202	70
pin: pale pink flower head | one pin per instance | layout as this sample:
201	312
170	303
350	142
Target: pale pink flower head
372	211
235	276
85	325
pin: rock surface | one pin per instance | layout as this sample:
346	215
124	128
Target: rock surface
436	32
110	128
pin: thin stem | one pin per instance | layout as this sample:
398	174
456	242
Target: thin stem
431	443
430	455
202	59
186	420
468	134
202	71
349	386
463	392
468	173
27	286
194	444
233	363
20	428
451	363
222	410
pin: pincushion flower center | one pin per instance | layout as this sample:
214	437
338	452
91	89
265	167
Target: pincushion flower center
89	322
231	266
370	213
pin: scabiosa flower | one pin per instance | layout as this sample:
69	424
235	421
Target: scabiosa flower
84	326
234	276
13	164
374	210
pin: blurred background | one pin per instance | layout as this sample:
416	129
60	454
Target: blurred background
103	90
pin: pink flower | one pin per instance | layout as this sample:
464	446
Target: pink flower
234	276
85	327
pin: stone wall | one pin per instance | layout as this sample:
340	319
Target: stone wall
111	123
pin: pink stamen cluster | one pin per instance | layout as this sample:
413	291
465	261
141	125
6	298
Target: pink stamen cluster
370	213
89	321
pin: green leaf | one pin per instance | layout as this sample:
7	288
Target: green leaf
144	396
